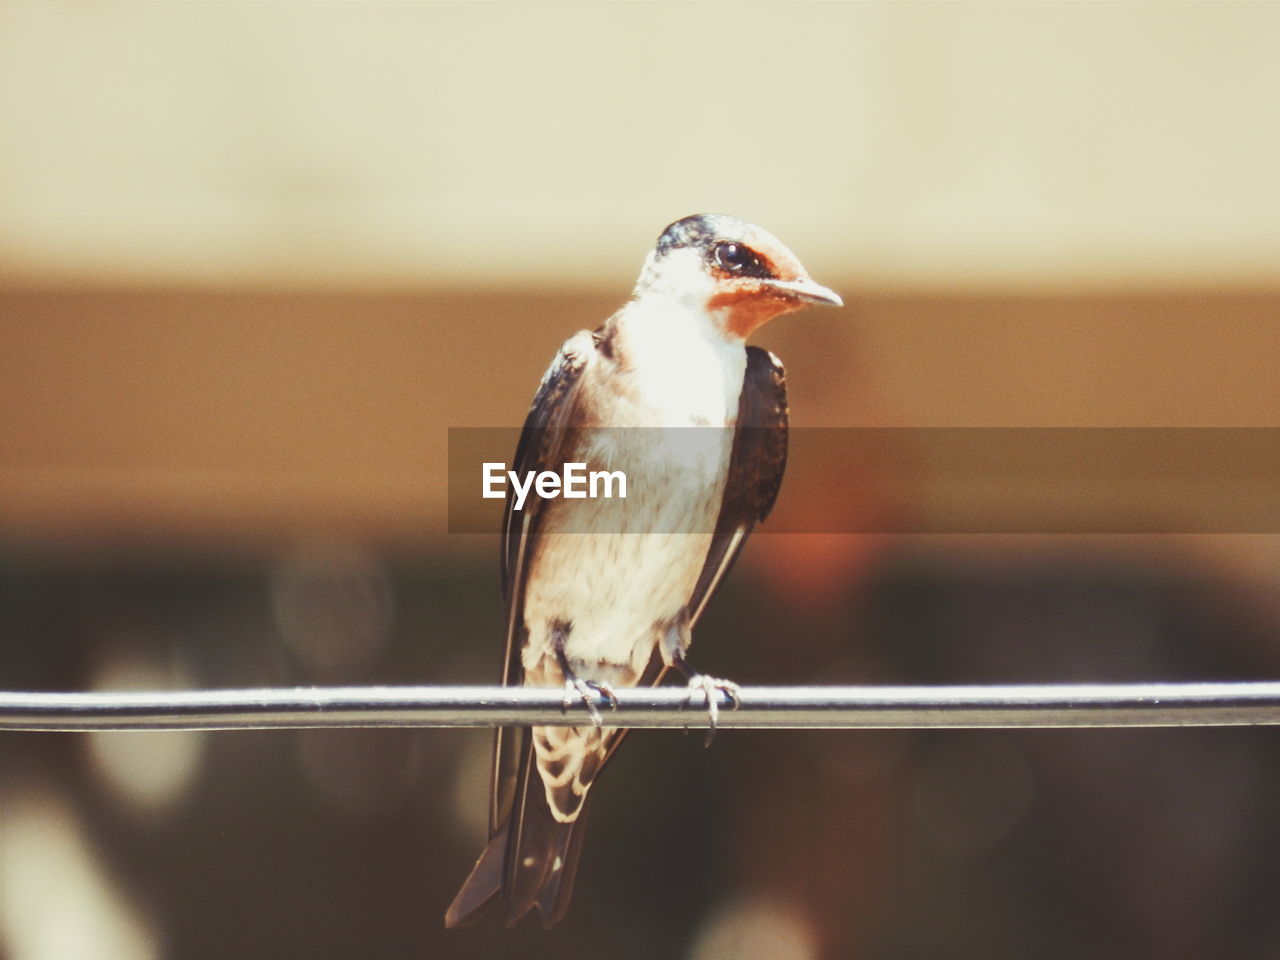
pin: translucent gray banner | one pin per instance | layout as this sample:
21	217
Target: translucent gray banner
881	480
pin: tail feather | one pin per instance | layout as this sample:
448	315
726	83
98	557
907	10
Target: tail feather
482	885
542	859
553	901
530	860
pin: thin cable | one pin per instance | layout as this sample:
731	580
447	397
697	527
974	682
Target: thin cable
1093	705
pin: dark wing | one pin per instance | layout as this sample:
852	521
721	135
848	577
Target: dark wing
755	470
552	408
541	441
521	826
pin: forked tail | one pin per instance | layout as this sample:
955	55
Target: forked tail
530	861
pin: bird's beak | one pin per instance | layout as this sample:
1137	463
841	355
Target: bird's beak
808	291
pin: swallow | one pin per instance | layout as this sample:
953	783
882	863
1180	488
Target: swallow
602	594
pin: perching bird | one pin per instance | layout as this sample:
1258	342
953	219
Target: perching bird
604	593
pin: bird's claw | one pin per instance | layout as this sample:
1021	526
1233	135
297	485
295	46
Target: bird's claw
586	691
711	688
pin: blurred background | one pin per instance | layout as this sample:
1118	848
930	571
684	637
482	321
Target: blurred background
256	259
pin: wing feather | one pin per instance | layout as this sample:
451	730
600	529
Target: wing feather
530	858
541	439
756	466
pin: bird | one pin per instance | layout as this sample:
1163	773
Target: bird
605	593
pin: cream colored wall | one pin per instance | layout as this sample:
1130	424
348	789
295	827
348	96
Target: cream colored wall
405	143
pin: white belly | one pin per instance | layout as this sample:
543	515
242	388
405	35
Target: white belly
620	584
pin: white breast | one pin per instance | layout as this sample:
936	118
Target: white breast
678	365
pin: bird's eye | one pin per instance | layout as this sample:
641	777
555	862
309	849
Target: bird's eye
735	258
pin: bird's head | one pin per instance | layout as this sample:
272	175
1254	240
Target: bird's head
739	274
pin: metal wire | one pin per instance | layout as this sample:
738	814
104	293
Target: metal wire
1103	705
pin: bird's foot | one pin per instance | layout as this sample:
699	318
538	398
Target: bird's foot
588	691
710	689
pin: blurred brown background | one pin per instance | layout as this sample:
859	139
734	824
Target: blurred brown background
255	260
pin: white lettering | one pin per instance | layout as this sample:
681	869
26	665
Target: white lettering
575	481
494	473
572	482
521	492
607	477
548	484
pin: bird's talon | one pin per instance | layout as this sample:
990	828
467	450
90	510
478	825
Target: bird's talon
711	688
584	691
733	692
607	692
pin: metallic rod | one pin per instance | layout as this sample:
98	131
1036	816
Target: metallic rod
1092	705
